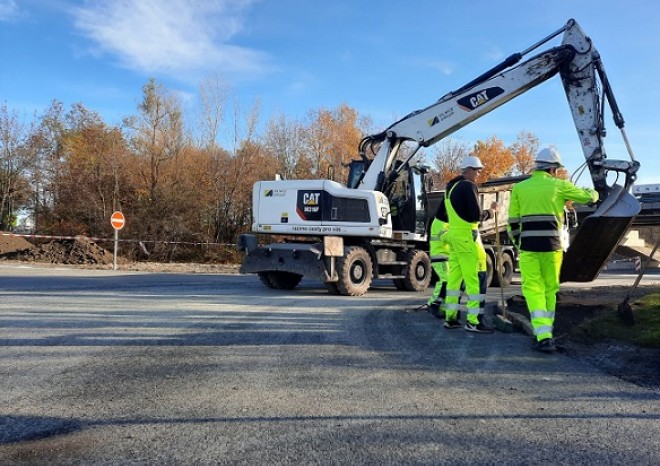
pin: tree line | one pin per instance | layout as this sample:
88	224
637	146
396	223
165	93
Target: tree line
67	170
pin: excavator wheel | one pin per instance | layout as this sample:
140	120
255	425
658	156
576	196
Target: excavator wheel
417	271
355	270
280	280
265	279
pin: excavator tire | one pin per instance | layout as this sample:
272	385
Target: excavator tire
417	271
265	279
355	270
280	280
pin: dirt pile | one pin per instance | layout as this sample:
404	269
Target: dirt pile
635	364
62	251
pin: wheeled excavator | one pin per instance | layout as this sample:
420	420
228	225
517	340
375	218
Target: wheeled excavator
376	225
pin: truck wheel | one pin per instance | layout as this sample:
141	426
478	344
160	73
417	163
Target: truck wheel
280	280
490	273
355	270
417	271
507	272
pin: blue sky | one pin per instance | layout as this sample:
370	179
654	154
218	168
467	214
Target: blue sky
383	58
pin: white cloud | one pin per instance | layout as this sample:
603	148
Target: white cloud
302	83
180	38
8	10
443	67
495	53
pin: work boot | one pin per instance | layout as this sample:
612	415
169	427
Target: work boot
452	324
547	345
478	328
435	311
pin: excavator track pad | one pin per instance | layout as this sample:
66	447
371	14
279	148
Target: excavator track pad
598	236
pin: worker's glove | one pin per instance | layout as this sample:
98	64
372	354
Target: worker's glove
594	196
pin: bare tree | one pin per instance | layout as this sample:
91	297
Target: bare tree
284	141
213	94
45	141
156	133
17	163
446	158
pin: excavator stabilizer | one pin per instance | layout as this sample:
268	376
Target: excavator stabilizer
598	236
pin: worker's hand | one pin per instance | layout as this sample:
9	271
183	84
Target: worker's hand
594	195
494	206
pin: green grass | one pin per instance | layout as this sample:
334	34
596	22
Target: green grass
607	324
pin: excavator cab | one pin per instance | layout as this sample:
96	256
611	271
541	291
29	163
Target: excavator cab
356	171
405	188
407	195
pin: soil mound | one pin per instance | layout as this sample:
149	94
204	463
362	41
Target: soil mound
10	243
64	251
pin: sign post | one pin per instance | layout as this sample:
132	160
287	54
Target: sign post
117	221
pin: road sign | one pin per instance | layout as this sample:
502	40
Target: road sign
117	220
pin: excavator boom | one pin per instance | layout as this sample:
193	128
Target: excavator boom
583	76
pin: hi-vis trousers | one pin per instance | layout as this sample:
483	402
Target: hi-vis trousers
540	284
466	260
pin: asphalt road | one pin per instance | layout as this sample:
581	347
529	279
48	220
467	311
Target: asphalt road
112	367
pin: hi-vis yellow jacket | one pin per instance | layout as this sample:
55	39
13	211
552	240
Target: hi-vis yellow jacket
438	245
536	210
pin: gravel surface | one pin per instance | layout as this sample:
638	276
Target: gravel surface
101	367
635	364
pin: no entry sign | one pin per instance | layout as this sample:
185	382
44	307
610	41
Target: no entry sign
117	220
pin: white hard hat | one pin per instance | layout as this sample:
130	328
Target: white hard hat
471	162
548	158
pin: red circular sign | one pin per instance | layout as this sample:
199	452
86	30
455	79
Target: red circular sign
117	220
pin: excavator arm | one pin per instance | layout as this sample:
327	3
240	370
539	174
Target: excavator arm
578	63
585	82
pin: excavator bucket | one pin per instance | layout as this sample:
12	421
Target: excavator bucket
598	236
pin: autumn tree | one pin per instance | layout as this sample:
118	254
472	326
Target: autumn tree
72	170
331	140
496	158
156	139
524	150
91	182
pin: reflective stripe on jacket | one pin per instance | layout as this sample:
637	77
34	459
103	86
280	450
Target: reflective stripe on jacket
536	210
